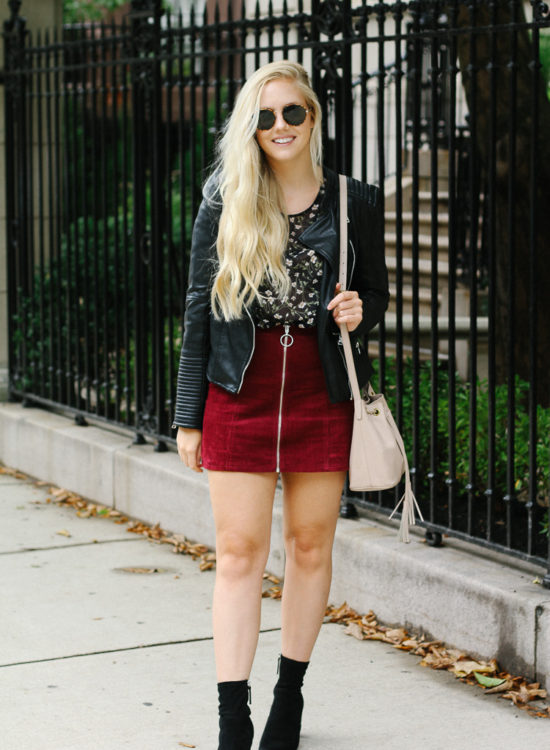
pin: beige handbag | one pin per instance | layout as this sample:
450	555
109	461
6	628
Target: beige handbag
378	458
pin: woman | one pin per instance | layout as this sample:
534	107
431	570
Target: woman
262	385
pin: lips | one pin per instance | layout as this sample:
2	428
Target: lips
283	141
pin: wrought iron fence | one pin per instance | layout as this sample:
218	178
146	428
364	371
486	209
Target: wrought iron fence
110	129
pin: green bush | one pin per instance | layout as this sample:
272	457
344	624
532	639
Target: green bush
463	396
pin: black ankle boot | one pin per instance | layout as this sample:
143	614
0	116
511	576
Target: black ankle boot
236	730
282	731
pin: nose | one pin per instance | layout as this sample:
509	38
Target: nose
280	121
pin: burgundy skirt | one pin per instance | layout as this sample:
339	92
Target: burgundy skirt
282	419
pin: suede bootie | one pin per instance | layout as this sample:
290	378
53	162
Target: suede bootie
236	730
282	731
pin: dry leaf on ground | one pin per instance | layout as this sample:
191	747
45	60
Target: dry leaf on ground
437	656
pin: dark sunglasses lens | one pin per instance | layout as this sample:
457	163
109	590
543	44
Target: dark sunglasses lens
266	119
294	114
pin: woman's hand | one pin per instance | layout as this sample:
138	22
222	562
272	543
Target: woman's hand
189	447
347	308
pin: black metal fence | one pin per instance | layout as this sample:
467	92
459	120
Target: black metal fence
110	129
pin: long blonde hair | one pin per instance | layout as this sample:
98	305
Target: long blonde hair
253	227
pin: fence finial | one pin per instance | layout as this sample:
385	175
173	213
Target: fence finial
146	7
15	33
15	21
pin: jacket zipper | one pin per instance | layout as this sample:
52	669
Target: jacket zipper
353	262
252	351
286	341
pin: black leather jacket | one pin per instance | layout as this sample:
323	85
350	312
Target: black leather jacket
219	351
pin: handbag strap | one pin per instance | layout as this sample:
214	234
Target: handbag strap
342	278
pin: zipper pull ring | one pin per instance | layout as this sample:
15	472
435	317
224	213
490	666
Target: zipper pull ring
287	339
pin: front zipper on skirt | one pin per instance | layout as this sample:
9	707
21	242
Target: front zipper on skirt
286	340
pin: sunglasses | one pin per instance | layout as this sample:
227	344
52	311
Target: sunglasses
293	114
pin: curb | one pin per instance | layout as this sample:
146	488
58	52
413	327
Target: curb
482	603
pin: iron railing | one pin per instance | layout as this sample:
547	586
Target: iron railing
110	129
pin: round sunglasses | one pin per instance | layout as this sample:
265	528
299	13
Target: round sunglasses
293	114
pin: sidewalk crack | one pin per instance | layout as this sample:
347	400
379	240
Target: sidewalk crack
123	649
67	546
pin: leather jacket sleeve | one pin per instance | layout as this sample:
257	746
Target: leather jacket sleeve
192	382
370	275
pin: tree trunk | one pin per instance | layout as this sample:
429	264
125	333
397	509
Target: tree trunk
491	58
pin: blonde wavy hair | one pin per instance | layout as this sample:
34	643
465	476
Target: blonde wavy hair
253	227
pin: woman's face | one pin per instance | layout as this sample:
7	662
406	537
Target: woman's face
284	143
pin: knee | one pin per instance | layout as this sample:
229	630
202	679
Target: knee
239	557
308	549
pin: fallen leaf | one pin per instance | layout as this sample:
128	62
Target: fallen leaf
60	493
463	667
409	643
488	682
63	532
12	472
274	592
396	635
184	744
355	630
438	661
139	570
506	685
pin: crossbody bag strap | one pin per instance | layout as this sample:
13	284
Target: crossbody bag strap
342	277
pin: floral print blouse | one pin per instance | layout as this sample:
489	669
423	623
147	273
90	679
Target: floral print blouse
305	269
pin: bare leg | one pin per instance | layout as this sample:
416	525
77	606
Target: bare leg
311	507
242	505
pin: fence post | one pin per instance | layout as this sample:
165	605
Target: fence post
149	373
15	34
332	79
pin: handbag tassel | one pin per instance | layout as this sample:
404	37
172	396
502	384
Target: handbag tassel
408	499
408	510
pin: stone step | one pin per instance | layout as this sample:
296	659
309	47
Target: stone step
424	246
424	300
424	271
424	218
425	196
424	241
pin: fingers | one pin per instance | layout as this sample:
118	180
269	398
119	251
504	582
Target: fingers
347	307
189	444
192	461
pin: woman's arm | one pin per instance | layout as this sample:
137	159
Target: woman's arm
192	384
363	305
370	275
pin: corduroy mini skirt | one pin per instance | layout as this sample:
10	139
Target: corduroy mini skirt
282	419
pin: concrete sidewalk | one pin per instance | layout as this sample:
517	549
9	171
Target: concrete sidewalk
95	657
